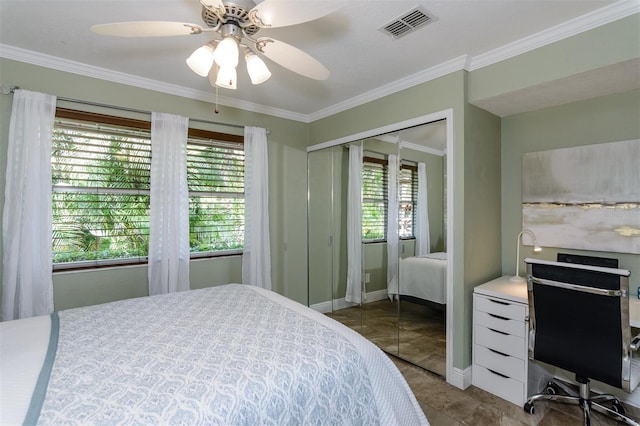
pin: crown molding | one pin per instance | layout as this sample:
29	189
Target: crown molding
574	26
605	15
53	62
429	74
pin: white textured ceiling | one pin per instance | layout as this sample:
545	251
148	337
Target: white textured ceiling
364	62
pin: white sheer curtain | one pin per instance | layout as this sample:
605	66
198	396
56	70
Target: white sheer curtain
27	286
354	226
256	258
392	225
423	243
169	213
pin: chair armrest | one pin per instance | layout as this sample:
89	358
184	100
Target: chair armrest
635	343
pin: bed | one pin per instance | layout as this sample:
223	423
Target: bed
424	277
233	354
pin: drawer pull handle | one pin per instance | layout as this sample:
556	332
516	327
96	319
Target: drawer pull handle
498	352
498	374
499	317
499	332
499	302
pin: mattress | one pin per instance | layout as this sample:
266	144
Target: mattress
424	277
232	354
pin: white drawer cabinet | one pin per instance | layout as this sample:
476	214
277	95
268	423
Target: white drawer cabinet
500	328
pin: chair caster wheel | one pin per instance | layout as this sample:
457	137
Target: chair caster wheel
552	389
528	408
618	408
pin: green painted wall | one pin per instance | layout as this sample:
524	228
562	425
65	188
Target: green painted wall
81	288
287	184
481	209
599	120
320	217
609	44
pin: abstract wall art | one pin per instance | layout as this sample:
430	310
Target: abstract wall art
585	197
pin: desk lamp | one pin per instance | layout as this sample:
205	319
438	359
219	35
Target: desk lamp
536	248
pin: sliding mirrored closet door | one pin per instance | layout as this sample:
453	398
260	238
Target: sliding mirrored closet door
385	308
422	313
379	183
327	235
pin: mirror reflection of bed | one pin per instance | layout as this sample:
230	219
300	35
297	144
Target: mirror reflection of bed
423	298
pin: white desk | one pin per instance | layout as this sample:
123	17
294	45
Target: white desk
500	328
517	292
500	346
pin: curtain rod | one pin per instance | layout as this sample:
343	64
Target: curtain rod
9	90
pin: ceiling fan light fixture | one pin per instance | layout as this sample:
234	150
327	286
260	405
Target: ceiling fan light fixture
226	54
257	69
213	74
201	60
227	78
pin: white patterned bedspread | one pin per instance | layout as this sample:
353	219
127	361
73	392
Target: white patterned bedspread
232	355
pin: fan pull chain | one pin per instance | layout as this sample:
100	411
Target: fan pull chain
216	110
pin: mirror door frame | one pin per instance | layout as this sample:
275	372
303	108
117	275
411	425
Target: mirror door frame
424	119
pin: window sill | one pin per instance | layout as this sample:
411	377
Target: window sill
118	263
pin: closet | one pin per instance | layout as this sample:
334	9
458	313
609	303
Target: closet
355	273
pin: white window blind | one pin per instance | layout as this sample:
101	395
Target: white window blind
408	195
215	176
374	199
101	188
100	176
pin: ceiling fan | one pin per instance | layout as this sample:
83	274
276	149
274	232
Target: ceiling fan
235	24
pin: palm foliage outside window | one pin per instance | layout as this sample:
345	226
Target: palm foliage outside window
215	175
101	189
100	177
374	200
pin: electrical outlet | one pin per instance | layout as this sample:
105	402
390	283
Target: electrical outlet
367	277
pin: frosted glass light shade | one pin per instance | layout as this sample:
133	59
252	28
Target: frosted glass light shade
201	60
227	78
213	74
226	54
257	69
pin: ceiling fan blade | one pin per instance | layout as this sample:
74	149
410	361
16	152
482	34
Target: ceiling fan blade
292	58
278	13
146	29
214	5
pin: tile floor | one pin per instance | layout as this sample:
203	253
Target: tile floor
414	332
446	405
420	338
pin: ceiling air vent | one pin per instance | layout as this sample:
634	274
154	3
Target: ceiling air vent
407	23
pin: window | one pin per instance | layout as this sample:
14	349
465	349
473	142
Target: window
374	199
407	194
100	176
215	175
101	186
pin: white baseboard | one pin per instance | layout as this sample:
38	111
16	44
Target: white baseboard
461	378
324	307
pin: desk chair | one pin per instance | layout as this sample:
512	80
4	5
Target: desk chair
579	321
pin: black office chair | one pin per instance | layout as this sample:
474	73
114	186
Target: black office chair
579	321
